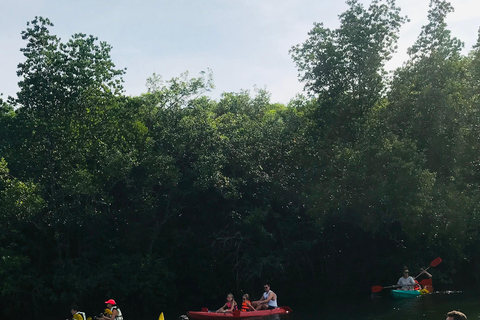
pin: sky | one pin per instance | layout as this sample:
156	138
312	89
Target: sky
244	42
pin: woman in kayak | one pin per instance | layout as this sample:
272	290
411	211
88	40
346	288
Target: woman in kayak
406	282
230	305
246	304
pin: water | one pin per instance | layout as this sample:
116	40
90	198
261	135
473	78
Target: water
382	307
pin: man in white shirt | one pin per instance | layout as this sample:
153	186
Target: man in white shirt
267	301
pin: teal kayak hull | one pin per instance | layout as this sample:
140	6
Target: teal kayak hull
405	294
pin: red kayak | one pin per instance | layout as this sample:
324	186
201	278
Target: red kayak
208	315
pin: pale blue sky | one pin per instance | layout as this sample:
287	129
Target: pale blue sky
244	42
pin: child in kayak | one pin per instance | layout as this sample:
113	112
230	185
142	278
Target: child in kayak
246	304
230	305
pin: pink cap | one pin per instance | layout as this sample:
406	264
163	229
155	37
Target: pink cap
111	301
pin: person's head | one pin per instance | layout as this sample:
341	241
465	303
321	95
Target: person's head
456	315
110	303
266	287
245	297
74	309
406	273
230	297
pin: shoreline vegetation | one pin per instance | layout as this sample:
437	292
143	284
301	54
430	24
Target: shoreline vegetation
171	198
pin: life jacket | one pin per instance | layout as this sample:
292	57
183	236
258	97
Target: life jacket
424	291
417	286
79	316
119	315
245	305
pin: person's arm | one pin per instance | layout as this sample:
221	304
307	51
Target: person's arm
106	317
232	307
426	273
402	283
112	316
411	283
257	302
249	306
222	308
270	296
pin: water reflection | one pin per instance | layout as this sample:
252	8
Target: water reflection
433	306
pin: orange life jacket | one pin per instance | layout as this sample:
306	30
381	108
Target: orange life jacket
417	286
245	305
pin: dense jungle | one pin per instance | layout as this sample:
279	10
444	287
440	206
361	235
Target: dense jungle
172	199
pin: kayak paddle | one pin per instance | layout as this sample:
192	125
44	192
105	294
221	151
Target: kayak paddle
426	282
161	317
380	288
434	263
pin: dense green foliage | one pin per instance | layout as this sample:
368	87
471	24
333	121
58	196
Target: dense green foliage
172	199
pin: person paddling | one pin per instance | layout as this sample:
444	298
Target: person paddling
116	312
406	282
424	272
427	282
267	301
77	315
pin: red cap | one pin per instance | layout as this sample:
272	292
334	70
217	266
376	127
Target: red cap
111	301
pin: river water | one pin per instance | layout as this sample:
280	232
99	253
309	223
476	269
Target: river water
382	306
433	306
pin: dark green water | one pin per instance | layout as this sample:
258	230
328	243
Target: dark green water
429	307
382	306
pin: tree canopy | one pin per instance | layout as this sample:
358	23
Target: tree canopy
170	199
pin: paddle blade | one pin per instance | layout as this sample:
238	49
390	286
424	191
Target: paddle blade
426	282
436	262
377	288
236	313
161	317
204	309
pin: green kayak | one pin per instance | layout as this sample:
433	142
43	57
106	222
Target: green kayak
405	293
